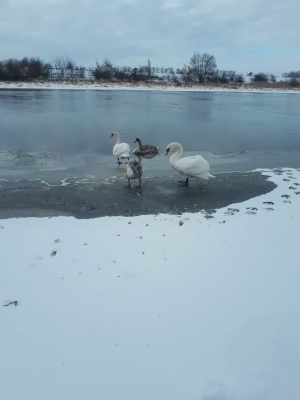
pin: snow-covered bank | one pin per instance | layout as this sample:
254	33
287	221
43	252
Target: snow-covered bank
146	308
130	86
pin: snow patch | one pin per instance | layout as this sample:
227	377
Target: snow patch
148	308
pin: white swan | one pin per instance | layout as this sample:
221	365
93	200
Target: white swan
121	150
193	166
134	170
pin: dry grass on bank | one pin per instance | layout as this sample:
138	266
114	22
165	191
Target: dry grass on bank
164	85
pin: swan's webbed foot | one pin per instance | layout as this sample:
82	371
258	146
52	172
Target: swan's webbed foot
183	183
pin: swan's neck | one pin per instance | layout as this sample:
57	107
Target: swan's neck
178	153
139	143
117	135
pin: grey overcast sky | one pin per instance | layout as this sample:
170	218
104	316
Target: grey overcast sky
243	35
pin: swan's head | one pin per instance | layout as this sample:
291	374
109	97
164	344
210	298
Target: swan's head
174	145
137	140
113	134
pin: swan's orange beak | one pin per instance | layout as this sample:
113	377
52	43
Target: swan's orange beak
167	152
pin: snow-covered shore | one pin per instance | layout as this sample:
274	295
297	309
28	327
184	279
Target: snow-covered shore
81	85
146	308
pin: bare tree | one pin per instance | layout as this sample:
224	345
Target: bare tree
106	70
64	66
293	76
186	75
149	70
201	66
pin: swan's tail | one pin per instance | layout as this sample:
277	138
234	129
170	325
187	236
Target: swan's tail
210	175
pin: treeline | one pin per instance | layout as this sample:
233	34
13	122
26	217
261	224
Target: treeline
25	69
293	77
201	68
35	68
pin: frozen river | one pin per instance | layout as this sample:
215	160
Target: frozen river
73	121
55	149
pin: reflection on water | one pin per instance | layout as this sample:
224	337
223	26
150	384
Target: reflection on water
71	121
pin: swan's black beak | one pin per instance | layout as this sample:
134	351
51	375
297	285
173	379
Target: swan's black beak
112	135
134	141
167	152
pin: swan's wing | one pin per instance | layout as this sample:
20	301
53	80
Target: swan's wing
137	168
146	149
192	166
121	150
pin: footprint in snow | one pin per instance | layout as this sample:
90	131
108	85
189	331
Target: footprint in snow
286	196
292	188
268	202
287	201
231	211
228	213
297	192
297	184
286	180
268	209
251	210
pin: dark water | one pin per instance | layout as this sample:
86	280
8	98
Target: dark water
71	121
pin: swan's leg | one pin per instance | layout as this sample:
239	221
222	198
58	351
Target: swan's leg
140	183
128	186
183	183
119	162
